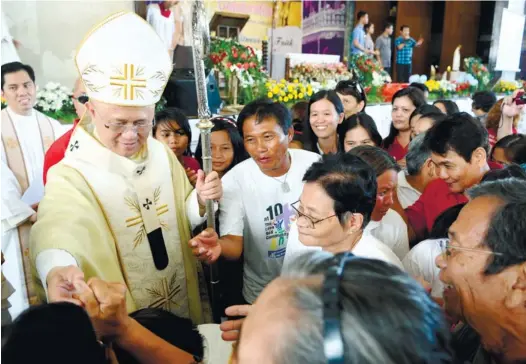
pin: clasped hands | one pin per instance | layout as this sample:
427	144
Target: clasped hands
105	303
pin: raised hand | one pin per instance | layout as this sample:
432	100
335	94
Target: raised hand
509	108
205	246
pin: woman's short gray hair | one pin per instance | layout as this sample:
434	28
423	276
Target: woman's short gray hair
386	316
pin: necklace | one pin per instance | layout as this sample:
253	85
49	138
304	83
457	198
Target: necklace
284	185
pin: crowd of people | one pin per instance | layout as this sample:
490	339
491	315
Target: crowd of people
381	49
332	243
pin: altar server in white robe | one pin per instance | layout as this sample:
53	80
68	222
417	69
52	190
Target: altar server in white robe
26	136
9	44
119	205
161	18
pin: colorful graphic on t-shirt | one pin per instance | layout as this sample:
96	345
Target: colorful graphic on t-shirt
277	226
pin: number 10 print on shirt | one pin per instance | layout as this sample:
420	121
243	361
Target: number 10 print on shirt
277	226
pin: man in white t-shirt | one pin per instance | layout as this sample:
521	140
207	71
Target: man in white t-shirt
386	224
336	203
255	213
420	263
420	171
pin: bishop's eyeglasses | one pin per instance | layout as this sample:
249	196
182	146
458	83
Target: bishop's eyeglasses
138	127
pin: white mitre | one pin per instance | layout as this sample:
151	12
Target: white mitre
122	61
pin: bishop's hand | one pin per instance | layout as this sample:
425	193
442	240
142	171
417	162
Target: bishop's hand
205	246
105	304
209	187
61	284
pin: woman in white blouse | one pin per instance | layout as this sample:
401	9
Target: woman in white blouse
336	204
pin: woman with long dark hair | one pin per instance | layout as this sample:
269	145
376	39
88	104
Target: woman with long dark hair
503	119
405	101
359	129
227	151
325	114
226	144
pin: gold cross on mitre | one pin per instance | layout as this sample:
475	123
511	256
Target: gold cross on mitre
128	81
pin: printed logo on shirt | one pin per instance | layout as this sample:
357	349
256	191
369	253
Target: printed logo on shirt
277	226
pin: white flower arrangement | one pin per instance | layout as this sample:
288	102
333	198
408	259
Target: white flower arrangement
447	86
53	97
331	84
244	77
316	86
378	80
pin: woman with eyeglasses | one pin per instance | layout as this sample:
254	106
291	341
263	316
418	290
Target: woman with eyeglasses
352	97
173	129
334	208
405	101
359	129
325	114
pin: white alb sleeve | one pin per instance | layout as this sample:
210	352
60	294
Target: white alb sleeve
51	258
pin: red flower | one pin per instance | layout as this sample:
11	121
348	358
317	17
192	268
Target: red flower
238	65
228	65
245	66
243	56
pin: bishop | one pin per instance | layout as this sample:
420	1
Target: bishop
119	205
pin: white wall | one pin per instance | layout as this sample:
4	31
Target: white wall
50	32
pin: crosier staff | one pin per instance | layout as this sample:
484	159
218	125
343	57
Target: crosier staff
201	48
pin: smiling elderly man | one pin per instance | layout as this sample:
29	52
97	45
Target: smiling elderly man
484	264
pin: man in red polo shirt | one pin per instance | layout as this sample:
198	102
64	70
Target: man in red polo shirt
459	150
57	150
